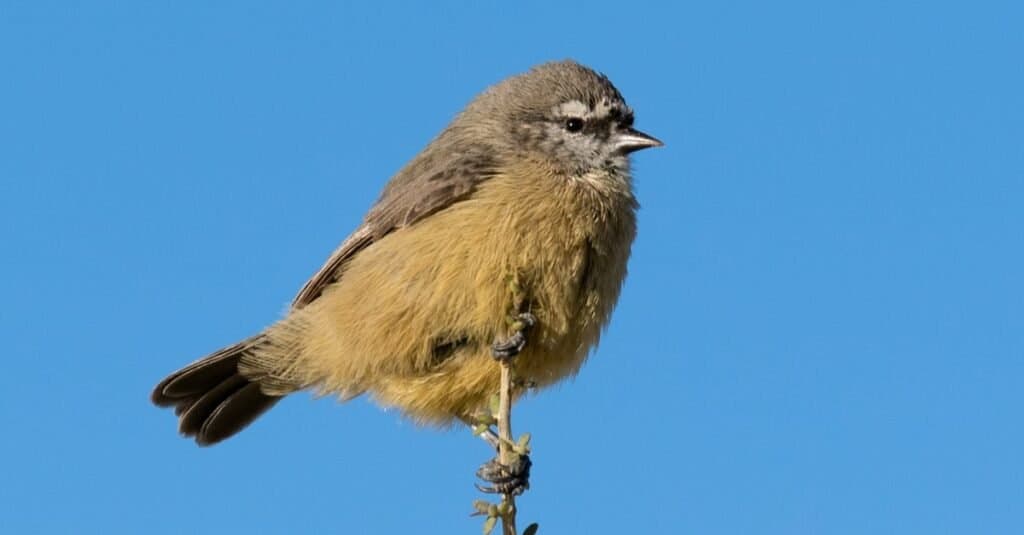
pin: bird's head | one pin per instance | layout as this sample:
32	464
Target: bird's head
562	113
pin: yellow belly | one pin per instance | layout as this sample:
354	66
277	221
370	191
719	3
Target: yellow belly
446	278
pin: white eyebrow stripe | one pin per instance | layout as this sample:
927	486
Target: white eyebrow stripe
603	108
575	108
572	108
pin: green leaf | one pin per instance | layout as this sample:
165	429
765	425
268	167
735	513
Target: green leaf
531	529
489	525
522	446
481	507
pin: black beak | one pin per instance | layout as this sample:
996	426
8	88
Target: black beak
630	140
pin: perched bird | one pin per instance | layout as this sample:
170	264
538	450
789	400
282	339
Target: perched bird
508	235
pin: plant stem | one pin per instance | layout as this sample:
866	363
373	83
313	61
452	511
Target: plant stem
505	453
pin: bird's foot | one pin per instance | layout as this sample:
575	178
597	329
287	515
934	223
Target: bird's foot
511	347
512	479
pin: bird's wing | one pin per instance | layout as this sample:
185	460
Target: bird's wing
329	272
432	182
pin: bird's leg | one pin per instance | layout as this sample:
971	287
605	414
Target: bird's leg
520	321
509	348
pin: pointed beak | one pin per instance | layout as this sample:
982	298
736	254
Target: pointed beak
630	140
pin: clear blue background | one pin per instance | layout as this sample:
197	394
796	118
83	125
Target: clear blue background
822	332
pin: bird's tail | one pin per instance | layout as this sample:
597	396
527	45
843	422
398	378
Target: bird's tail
212	399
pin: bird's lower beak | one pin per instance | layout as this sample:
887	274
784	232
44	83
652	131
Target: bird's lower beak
629	140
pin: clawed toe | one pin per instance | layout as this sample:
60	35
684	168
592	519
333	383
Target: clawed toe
515	343
512	479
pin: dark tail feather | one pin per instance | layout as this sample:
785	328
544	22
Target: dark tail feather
213	400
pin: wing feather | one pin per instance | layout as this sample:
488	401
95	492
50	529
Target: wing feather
446	172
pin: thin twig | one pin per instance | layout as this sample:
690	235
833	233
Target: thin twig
505	453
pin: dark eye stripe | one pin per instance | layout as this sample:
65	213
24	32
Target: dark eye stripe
622	116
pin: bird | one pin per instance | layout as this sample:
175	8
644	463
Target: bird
507	236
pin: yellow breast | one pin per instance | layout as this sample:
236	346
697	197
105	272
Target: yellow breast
446	279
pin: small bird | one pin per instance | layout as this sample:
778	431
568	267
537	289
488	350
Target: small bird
507	236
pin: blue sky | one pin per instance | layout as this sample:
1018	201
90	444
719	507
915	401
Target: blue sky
821	332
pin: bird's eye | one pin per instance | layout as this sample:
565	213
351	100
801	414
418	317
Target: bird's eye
574	124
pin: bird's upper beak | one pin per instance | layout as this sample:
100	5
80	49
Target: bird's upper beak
629	140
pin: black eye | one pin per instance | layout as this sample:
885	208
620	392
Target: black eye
574	124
